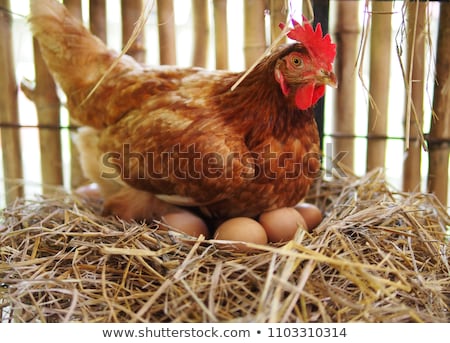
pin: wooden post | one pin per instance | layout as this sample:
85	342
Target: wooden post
47	103
278	14
439	139
254	31
131	10
76	173
380	60
201	32
166	32
415	84
97	18
321	15
9	113
221	33
347	42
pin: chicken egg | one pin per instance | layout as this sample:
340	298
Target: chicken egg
241	229
186	222
311	214
281	224
89	192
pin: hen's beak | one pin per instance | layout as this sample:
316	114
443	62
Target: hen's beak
327	78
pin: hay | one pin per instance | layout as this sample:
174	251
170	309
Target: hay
378	256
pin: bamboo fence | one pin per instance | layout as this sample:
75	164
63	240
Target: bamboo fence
9	113
97	18
321	13
346	33
440	125
278	14
76	174
45	98
220	33
415	86
201	32
254	30
380	42
131	11
166	30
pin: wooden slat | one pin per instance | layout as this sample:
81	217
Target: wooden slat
380	61
415	74
131	11
254	30
278	14
76	174
439	139
321	15
201	32
221	33
166	32
346	32
47	103
97	18
10	138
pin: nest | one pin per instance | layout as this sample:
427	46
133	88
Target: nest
378	256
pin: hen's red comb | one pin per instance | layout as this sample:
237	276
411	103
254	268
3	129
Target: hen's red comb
319	46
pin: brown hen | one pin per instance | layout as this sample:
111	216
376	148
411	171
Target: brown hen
180	136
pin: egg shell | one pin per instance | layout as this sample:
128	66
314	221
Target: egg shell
281	224
89	192
186	222
311	214
241	229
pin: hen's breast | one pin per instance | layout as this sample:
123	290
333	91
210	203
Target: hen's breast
283	174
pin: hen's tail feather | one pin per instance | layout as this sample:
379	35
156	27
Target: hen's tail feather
76	58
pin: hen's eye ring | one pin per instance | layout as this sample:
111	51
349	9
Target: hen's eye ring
297	61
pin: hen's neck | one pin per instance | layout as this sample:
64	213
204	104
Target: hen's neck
259	107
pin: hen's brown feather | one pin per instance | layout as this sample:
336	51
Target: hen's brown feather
181	132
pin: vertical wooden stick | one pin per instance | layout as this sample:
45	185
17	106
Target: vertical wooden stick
221	34
254	31
308	10
201	32
47	103
439	140
166	32
9	113
347	32
76	174
380	60
321	15
278	14
97	18
131	10
414	94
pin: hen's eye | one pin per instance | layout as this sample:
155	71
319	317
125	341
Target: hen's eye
297	61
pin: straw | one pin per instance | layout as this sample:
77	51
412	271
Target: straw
378	256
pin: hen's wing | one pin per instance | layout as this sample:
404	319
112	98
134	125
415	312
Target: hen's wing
188	159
